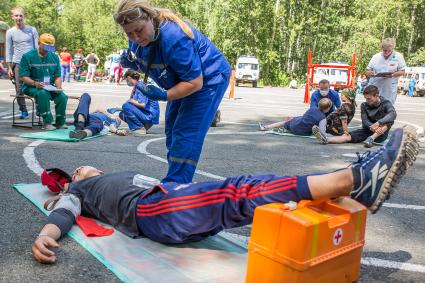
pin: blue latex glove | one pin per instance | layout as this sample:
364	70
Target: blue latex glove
125	63
152	92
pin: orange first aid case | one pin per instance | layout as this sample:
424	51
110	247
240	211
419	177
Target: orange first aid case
319	241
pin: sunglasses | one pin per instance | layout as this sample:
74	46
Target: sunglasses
129	16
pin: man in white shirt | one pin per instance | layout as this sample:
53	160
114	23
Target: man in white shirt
19	39
385	68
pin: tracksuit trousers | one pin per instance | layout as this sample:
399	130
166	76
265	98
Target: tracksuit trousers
174	213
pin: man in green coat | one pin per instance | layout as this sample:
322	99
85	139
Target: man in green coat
41	74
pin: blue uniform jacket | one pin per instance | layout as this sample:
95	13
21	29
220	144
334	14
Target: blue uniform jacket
151	106
180	58
332	95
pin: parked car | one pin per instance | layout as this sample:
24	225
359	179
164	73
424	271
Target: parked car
247	70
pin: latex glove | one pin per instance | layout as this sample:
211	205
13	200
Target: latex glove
125	63
152	92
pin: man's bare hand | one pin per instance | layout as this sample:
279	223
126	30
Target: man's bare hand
10	72
374	127
41	249
38	85
380	130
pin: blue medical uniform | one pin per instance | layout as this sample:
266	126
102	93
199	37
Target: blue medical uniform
412	84
301	125
174	213
137	117
332	95
179	58
94	121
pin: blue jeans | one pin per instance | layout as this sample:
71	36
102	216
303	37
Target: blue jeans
65	71
92	123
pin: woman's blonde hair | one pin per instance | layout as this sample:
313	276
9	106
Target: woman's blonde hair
154	13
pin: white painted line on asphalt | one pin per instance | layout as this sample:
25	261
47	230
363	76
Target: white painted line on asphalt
17	115
404	206
5	113
31	159
393	264
142	148
242	241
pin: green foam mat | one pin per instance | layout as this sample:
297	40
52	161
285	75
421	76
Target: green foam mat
215	259
58	135
284	132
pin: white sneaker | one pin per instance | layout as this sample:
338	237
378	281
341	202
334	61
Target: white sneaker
48	127
139	132
261	127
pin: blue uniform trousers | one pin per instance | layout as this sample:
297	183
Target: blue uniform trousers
135	117
411	91
92	123
187	122
179	213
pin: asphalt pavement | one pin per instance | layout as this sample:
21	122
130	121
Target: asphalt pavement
395	235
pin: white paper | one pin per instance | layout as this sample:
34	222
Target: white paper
50	88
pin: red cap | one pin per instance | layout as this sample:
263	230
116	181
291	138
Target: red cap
55	179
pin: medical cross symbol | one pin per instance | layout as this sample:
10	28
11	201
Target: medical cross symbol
337	237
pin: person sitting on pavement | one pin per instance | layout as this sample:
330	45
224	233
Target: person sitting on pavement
39	69
325	92
336	124
156	210
139	112
302	125
90	124
378	116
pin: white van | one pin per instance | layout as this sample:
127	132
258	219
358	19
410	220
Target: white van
403	81
333	75
247	70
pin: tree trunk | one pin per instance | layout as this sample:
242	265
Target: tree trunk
412	32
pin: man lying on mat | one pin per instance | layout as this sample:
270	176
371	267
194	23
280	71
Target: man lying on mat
179	213
90	124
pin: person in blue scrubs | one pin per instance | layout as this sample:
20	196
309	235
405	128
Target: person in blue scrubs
412	85
139	112
192	75
325	92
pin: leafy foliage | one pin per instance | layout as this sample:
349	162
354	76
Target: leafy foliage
278	32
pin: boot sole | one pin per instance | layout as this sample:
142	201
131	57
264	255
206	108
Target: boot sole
317	135
77	135
409	149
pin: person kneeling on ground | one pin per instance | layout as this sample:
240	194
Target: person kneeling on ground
139	112
90	124
302	125
40	68
156	211
324	91
336	124
378	116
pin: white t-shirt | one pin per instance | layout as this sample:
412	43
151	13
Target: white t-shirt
387	86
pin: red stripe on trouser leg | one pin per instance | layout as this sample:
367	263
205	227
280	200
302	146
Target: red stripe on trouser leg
178	207
231	189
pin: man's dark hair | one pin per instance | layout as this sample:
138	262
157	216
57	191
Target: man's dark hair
324	81
372	90
132	74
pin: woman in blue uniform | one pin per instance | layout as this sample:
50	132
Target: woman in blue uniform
192	73
139	112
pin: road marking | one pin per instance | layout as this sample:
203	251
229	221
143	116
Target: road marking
31	159
17	115
142	148
393	264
